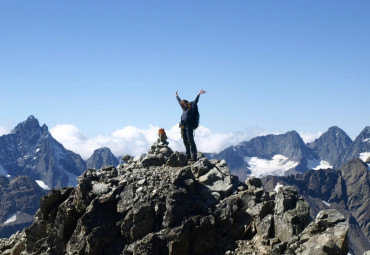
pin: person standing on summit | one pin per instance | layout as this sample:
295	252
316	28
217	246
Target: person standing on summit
189	122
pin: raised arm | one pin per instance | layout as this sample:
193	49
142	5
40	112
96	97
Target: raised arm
178	99
197	98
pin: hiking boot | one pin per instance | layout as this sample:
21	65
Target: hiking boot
194	157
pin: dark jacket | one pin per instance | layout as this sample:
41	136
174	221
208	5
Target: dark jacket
187	114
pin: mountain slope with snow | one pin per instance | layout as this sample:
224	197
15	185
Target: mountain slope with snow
31	150
287	153
360	148
19	202
268	155
331	145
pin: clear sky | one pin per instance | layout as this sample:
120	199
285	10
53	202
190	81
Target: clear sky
101	66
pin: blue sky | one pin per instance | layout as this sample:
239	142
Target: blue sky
101	66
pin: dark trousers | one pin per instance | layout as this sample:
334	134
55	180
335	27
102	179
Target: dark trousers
188	139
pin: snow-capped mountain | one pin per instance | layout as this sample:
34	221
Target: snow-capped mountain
360	148
287	153
269	155
102	157
32	162
331	145
31	150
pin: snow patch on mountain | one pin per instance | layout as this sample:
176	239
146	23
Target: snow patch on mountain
13	218
42	185
317	164
2	171
364	156
278	165
367	140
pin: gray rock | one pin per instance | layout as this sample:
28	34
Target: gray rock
146	208
127	159
326	235
177	160
217	180
100	188
291	213
254	182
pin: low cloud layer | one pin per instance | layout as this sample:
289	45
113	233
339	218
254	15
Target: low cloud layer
4	130
134	141
309	137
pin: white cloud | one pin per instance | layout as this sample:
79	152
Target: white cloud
4	130
309	137
134	141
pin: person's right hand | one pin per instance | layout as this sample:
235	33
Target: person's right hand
176	92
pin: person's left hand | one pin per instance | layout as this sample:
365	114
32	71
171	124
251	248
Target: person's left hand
202	91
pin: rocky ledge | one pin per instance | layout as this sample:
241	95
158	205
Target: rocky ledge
163	204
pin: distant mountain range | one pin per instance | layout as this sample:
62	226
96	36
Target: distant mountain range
31	150
32	161
287	153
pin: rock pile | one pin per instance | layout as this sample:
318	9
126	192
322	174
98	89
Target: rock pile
161	204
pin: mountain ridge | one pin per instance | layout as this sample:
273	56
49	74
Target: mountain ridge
160	203
287	153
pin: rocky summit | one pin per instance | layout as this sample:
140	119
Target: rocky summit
162	204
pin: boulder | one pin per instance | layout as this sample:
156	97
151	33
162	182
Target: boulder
326	235
291	214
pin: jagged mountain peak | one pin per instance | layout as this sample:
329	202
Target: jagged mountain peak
293	133
365	133
336	131
100	150
102	157
31	150
360	148
331	145
29	127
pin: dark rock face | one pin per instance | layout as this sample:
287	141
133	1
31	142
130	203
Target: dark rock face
31	150
359	145
143	207
289	145
331	150
19	201
357	179
346	190
331	145
100	158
